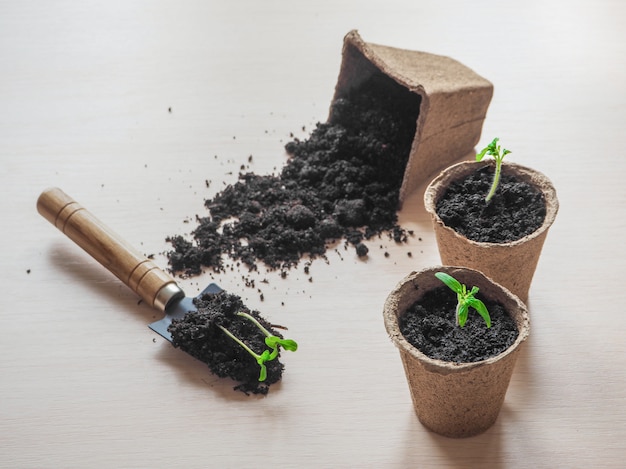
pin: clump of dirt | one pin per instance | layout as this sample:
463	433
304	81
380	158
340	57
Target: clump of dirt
430	326
517	209
342	182
199	334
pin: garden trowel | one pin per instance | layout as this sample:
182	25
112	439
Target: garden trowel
140	274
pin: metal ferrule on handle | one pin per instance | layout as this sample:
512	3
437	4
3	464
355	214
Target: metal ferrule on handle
140	274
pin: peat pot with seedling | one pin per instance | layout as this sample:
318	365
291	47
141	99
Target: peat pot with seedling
493	217
458	345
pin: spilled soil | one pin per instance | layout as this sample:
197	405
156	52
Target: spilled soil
430	326
342	182
199	334
516	210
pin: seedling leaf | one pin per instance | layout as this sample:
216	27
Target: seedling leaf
287	344
264	357
272	341
450	281
483	152
465	300
481	308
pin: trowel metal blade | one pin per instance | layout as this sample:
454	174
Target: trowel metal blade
178	309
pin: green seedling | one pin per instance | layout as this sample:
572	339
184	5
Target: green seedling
498	153
272	341
465	300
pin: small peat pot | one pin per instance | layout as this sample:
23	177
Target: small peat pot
456	398
447	101
503	237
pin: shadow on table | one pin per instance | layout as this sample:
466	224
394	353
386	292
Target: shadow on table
425	448
193	372
83	270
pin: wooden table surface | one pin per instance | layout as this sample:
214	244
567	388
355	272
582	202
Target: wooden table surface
85	93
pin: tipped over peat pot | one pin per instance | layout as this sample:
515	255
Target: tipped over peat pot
506	240
455	399
453	101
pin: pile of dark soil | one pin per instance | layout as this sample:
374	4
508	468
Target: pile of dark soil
342	182
199	335
516	210
430	326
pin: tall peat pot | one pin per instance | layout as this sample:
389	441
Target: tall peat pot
512	264
455	399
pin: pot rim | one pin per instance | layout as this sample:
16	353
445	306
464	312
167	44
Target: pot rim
435	189
441	366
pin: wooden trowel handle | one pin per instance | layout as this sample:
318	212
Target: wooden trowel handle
139	273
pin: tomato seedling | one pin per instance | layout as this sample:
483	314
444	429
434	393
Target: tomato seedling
498	153
465	300
272	341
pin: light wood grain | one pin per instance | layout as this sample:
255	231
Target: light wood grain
86	89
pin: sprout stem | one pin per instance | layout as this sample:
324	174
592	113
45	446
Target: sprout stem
239	341
498	153
271	340
260	359
496	180
253	320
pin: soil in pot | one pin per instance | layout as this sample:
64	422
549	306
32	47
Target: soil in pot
342	182
516	210
199	335
430	326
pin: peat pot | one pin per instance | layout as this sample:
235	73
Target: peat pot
455	399
450	101
512	264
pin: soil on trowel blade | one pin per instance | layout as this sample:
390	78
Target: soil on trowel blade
199	335
342	182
